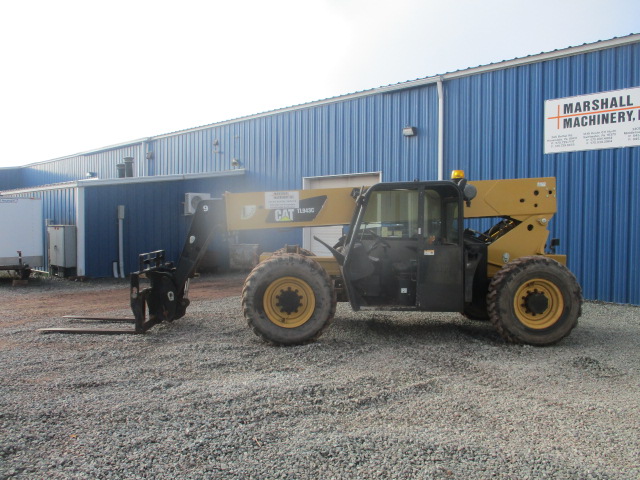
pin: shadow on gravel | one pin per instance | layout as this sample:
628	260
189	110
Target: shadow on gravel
483	332
386	328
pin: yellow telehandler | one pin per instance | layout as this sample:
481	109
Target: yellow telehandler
404	248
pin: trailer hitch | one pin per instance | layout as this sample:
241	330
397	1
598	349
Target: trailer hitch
166	297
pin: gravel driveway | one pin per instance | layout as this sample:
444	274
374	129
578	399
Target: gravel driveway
380	395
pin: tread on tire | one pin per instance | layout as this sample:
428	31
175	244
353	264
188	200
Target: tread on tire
534	300
289	299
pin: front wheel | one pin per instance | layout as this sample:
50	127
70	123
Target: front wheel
288	299
534	300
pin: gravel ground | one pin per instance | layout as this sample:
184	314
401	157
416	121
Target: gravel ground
380	395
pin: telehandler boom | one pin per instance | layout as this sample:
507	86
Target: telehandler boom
405	248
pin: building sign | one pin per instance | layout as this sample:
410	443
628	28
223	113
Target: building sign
592	122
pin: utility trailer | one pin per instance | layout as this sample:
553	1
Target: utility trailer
21	238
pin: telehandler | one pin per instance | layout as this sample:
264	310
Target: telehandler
405	248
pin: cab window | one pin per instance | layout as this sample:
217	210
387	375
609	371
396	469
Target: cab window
392	214
440	218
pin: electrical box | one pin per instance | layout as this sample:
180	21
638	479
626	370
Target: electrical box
191	201
21	229
62	249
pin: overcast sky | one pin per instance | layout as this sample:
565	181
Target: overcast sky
80	75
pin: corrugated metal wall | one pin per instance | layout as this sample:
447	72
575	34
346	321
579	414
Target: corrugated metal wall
494	129
358	135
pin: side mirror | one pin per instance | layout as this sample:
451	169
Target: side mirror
469	192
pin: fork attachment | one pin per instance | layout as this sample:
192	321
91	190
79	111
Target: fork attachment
165	299
150	306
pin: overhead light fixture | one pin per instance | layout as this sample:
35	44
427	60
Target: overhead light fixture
409	131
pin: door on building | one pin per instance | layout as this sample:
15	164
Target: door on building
332	234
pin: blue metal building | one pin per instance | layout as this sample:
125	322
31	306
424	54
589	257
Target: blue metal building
488	120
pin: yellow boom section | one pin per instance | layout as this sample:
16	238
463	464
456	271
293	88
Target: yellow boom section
290	208
531	201
519	198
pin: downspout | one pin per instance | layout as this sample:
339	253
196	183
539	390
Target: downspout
81	262
143	160
121	239
440	129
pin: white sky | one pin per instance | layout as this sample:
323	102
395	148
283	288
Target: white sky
80	75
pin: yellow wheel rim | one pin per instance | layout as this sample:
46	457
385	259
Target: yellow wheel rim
289	302
538	303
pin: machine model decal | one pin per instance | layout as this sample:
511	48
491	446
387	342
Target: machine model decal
307	211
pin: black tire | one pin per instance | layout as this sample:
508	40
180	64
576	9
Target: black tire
534	300
289	299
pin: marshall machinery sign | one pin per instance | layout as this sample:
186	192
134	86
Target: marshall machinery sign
592	122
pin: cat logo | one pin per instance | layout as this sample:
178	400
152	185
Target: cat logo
284	215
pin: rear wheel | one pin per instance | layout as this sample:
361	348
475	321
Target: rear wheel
534	300
288	299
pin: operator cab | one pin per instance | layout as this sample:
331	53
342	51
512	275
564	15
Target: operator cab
405	249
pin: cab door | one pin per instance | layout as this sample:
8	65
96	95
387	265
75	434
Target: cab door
440	283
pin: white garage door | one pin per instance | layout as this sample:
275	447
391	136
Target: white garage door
331	235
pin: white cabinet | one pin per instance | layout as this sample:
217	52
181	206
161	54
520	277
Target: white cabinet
62	248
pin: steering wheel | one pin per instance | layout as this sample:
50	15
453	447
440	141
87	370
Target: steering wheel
368	231
377	240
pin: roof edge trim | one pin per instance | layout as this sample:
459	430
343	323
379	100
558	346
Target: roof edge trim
126	181
159	178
